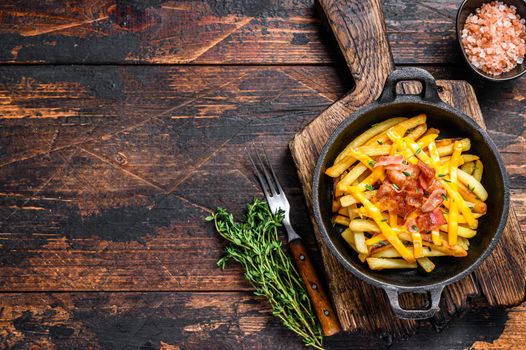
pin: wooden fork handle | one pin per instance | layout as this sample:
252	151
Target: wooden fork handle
322	306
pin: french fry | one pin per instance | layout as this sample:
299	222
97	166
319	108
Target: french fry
473	185
338	168
477	171
390	252
455	251
462	220
341	220
410	123
343	212
381	264
433	252
462	231
348	236
364	225
452	228
417	132
335	206
349	199
393	219
468	167
435	236
479	207
359	240
426	264
432	131
375	150
417	245
466	158
354	212
461	204
463	243
353	174
368	134
448	149
386	252
362	157
444	142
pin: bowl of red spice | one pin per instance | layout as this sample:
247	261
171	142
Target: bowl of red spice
492	37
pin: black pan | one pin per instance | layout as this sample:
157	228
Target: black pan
451	123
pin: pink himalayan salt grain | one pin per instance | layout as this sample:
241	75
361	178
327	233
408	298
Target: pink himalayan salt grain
494	38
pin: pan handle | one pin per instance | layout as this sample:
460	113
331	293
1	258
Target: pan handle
429	87
393	296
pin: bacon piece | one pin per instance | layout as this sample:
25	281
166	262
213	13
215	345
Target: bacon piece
397	178
389	160
414	198
437	219
425	222
385	190
429	185
434	200
412	170
398	167
392	200
427	171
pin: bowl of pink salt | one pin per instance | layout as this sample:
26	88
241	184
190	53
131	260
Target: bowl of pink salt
492	37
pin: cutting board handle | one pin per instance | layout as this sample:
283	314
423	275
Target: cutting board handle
359	28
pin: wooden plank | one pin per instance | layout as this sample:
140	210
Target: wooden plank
209	320
209	32
74	243
111	194
513	334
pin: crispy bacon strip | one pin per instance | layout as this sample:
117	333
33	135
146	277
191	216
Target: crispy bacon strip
434	200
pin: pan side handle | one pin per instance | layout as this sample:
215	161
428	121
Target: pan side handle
435	294
359	28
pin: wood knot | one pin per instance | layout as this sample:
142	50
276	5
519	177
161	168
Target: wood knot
121	158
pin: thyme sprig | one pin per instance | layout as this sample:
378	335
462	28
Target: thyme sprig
256	246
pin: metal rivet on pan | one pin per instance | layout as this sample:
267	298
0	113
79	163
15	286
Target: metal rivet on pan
302	257
326	312
314	286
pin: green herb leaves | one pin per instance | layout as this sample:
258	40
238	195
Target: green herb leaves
255	245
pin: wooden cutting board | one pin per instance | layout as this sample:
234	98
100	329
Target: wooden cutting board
360	32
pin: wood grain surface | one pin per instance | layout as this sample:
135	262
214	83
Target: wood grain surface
208	32
108	169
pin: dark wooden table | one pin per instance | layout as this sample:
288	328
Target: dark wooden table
123	125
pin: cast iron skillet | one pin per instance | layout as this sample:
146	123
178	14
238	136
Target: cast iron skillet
451	123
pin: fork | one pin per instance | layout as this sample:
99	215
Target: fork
278	201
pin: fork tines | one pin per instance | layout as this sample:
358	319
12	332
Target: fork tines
265	173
